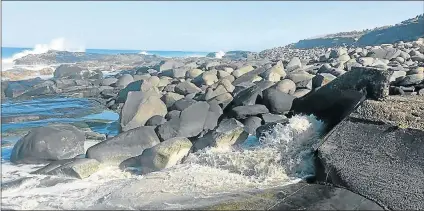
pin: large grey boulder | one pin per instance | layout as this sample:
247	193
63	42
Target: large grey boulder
68	72
140	107
169	65
164	155
341	95
251	124
188	124
242	112
49	143
277	101
228	133
79	168
379	161
143	85
293	64
124	80
123	146
185	88
170	98
108	81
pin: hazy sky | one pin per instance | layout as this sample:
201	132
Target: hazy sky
192	25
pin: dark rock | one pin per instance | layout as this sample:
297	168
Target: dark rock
228	133
49	143
155	121
78	168
242	112
267	118
277	101
251	124
170	98
215	111
182	104
249	76
172	114
123	146
268	127
359	152
124	80
68	71
185	88
338	98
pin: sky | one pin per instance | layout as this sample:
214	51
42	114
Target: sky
192	25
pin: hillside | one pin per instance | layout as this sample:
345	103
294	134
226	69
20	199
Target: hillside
407	30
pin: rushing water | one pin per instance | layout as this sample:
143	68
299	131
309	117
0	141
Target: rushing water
281	157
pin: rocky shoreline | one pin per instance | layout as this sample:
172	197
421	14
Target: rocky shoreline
181	106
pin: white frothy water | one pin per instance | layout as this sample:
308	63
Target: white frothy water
219	54
58	44
283	156
144	53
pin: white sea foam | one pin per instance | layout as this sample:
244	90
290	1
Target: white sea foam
283	156
144	53
219	54
58	44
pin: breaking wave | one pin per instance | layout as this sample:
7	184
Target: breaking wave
283	156
58	44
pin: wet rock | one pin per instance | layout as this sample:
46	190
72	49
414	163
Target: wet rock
164	155
267	118
49	143
79	168
277	101
138	108
251	124
242	112
123	146
228	133
359	152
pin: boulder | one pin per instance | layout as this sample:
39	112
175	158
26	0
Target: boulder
334	100
268	117
228	133
79	168
242	112
241	71
322	79
138	108
124	80
251	124
123	146
68	72
175	72
287	86
172	114
294	64
185	88
108	81
250	76
193	73
155	121
164	155
182	104
49	143
215	111
170	98
189	124
143	86
277	101
169	65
